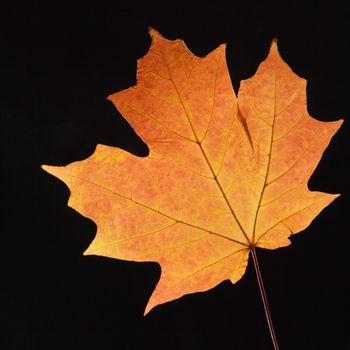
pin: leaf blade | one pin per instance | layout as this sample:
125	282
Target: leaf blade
223	175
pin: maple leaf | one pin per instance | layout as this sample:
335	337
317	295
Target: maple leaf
223	174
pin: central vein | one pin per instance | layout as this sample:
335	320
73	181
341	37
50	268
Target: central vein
202	150
268	162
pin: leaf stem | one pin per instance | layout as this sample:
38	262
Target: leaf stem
264	298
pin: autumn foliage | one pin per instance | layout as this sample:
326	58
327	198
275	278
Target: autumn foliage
223	174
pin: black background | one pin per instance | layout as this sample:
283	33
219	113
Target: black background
58	64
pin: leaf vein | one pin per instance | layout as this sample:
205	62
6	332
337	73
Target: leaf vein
204	268
159	212
287	217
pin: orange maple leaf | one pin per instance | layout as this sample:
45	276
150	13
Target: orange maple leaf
223	174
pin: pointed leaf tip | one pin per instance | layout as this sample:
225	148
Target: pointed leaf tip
223	46
153	32
148	308
274	45
273	51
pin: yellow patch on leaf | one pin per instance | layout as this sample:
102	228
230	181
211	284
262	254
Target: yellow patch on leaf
224	173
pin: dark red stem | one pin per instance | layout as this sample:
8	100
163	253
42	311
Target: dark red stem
264	298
